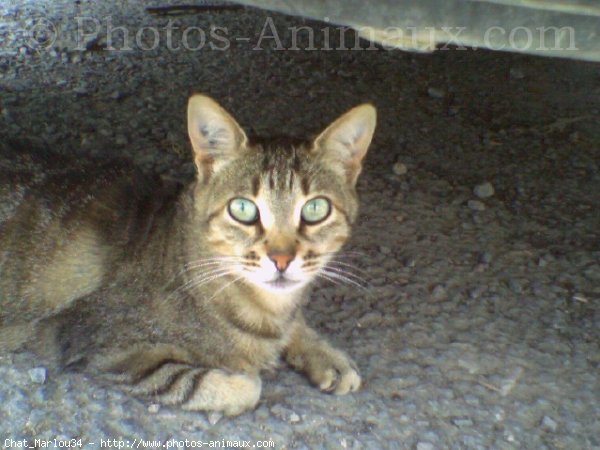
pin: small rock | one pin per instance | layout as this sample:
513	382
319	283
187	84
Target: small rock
549	424
462	422
485	257
38	374
121	139
436	93
515	286
484	190
399	218
153	408
261	413
76	58
369	320
81	89
294	418
116	95
214	417
399	168
439	293
476	205
425	446
385	250
516	73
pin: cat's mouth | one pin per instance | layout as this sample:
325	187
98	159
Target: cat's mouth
282	283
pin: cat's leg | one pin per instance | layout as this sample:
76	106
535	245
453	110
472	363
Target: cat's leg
326	367
13	337
165	375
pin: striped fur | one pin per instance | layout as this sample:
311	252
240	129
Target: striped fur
157	287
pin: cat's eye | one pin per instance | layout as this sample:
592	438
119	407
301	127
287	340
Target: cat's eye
243	210
316	210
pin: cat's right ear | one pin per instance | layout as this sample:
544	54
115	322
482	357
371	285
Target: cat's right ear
216	137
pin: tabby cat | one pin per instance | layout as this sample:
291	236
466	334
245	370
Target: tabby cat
183	293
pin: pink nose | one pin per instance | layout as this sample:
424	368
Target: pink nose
281	260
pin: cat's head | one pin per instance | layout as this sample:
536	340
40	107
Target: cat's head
275	216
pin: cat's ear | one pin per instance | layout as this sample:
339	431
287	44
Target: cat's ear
216	137
345	142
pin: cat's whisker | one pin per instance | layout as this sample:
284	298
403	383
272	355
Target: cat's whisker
212	260
344	265
235	280
344	278
347	253
344	271
325	277
200	282
202	279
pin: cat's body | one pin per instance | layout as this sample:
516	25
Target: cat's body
182	292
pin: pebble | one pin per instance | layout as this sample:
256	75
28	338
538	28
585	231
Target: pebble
399	168
370	319
484	190
476	205
294	418
515	286
214	417
436	92
81	89
462	422
153	408
121	139
516	73
549	424
38	375
399	218
425	446
485	257
439	293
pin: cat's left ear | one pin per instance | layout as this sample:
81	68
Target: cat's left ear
346	141
216	137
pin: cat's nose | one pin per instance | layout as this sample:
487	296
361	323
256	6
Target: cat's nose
281	260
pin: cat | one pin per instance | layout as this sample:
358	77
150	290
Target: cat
183	292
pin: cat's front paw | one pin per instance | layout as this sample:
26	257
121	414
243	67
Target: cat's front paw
329	369
229	393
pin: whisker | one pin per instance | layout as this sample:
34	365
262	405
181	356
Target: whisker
346	272
225	286
351	266
344	278
325	277
213	260
348	253
203	279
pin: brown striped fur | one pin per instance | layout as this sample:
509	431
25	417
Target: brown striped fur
154	285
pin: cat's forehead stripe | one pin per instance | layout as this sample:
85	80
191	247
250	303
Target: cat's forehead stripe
255	185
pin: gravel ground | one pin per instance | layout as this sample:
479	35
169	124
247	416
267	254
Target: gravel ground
479	227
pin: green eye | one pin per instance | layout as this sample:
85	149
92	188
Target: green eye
316	210
243	210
